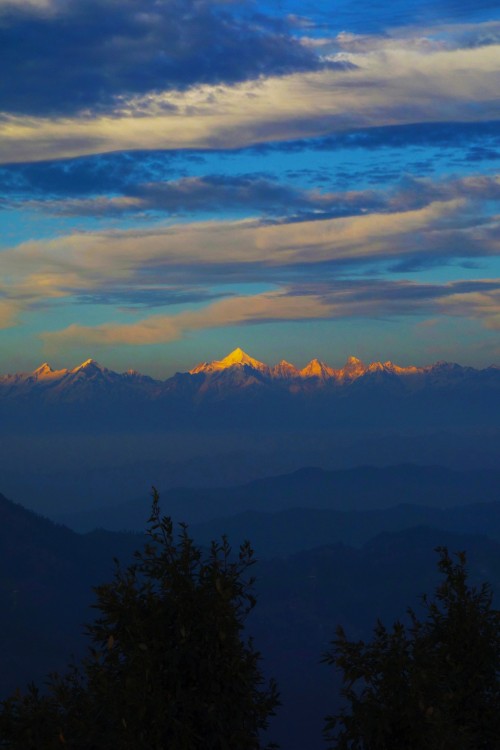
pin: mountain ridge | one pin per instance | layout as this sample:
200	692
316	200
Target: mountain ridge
315	368
240	391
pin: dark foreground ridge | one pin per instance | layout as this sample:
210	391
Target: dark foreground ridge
48	571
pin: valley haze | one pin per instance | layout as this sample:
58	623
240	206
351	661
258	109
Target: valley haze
87	436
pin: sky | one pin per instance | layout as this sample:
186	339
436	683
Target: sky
299	179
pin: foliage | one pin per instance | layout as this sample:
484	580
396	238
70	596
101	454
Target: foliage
434	684
167	666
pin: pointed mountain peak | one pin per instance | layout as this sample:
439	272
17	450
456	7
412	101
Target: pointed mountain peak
353	368
46	372
284	370
317	369
88	366
239	357
377	367
44	369
236	358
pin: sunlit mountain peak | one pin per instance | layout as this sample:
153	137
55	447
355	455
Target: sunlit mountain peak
236	358
410	370
317	369
43	369
239	357
284	370
46	372
353	368
89	364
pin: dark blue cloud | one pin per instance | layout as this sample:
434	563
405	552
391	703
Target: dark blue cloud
443	134
87	175
221	194
399	297
273	200
147	297
113	172
87	52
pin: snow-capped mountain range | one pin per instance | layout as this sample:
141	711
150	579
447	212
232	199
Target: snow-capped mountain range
240	385
315	369
237	366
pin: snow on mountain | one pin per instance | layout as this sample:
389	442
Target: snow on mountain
46	373
284	370
317	369
90	366
236	373
353	368
237	358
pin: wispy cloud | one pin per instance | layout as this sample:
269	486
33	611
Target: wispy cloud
394	86
421	223
232	164
479	299
217	193
118	173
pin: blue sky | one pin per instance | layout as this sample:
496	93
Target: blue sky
181	177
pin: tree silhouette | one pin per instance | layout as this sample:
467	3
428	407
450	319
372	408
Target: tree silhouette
167	667
432	685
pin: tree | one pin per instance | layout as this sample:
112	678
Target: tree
434	684
167	668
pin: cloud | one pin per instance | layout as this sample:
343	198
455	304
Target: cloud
26	6
395	87
448	135
449	227
484	306
215	193
161	296
85	54
479	299
9	311
116	172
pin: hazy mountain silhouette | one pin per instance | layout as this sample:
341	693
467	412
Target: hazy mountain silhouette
45	592
360	488
45	588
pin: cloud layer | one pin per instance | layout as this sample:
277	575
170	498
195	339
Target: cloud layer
84	55
169	167
399	84
479	299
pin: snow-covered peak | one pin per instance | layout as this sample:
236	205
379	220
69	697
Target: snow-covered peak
353	368
397	370
284	370
45	372
89	365
377	367
236	358
317	369
45	367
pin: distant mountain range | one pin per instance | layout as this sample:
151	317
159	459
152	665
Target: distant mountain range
361	489
230	391
48	571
